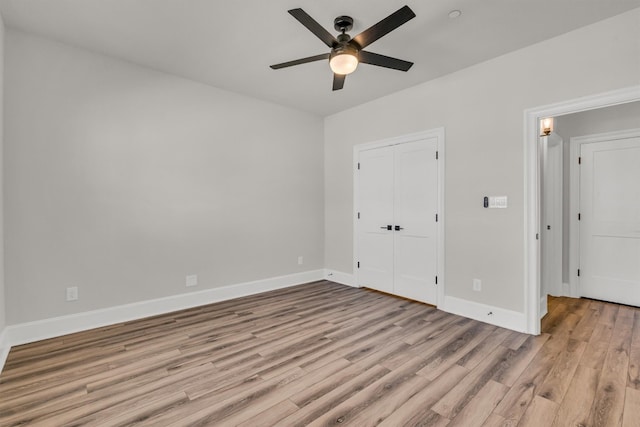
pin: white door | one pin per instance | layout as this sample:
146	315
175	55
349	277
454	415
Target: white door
375	235
416	206
610	220
551	227
397	235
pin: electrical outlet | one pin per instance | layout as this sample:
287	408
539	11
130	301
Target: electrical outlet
72	293
191	280
477	285
300	260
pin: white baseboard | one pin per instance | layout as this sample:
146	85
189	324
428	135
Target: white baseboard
48	328
340	277
4	347
485	313
571	289
543	306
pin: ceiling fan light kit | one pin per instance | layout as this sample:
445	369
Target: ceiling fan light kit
346	52
344	60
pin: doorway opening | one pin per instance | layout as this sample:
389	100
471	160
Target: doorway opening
590	238
533	208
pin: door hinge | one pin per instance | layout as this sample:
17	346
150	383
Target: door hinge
579	160
579	217
436	155
358	215
358	264
436	280
537	236
578	272
436	217
358	165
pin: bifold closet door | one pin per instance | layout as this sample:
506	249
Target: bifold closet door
397	235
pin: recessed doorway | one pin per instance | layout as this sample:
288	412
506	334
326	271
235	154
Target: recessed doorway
532	272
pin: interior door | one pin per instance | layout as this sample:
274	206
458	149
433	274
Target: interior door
551	230
375	225
610	220
416	206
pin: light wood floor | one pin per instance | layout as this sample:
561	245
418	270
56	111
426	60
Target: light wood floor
326	354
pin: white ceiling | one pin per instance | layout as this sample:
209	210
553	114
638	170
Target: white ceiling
230	44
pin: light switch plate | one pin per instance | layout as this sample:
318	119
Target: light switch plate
498	202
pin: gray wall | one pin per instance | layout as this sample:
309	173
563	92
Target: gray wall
121	180
481	109
619	117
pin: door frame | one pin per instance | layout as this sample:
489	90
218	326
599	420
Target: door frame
532	118
439	134
575	145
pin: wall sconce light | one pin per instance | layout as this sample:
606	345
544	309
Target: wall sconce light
546	126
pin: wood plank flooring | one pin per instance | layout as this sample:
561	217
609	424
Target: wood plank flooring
324	354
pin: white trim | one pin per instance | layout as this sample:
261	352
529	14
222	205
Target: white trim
439	134
340	277
574	206
442	214
57	326
575	144
566	289
4	347
543	306
411	137
504	318
356	191
531	206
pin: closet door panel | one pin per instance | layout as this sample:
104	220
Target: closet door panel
375	204
415	208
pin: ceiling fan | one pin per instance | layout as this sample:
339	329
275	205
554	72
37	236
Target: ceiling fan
347	52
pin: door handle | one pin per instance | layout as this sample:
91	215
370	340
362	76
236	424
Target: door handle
398	228
387	227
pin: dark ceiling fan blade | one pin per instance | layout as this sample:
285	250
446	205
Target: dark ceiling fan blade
314	27
300	61
384	61
384	27
338	81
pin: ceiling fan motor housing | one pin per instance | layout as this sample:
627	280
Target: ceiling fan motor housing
343	23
